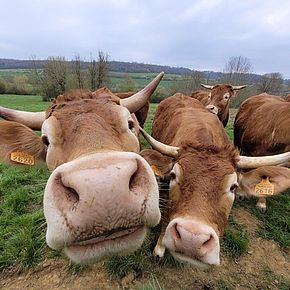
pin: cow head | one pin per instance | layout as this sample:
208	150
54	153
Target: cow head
203	181
101	196
219	99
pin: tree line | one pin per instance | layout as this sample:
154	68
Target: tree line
56	75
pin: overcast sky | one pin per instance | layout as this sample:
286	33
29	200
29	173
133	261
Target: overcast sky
199	34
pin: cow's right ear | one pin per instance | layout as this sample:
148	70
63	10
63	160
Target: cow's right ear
20	145
160	164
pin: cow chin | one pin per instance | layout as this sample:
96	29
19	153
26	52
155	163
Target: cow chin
89	252
193	242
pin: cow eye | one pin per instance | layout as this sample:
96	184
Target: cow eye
45	140
234	187
172	175
130	124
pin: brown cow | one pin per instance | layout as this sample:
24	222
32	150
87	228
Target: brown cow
217	101
142	113
261	127
102	195
202	165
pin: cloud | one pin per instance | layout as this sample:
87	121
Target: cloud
195	34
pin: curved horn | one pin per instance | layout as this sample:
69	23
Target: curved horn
138	100
247	162
207	86
162	148
236	88
32	120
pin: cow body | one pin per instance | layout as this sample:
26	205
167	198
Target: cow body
203	176
262	125
102	195
199	205
217	100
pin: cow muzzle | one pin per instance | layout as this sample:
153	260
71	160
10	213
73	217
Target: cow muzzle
192	241
100	205
213	109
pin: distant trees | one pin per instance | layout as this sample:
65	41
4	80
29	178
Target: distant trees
2	86
78	72
58	75
51	80
188	83
271	83
102	75
237	71
127	84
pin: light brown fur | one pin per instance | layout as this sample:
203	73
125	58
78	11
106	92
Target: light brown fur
262	125
206	157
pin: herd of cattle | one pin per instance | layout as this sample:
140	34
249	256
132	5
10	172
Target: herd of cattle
103	195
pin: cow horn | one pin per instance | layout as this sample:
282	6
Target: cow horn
247	162
138	100
161	147
209	87
236	88
32	120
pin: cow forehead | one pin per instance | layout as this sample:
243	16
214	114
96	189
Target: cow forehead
221	90
206	167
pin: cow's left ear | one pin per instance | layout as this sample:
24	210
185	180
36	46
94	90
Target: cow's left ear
264	181
20	145
160	163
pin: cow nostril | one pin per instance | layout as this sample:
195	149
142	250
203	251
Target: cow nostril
132	181
175	232
209	243
72	195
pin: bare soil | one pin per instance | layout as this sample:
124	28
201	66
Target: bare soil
263	267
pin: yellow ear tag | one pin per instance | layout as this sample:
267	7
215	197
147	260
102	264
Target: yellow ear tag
22	157
156	170
265	187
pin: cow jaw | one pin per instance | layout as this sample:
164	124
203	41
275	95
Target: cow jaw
192	241
100	205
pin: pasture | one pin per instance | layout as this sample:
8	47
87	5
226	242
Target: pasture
255	247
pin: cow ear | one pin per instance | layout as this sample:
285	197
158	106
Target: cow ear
160	164
20	145
264	181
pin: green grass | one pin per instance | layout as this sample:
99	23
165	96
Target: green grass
235	240
23	102
222	285
15	73
22	225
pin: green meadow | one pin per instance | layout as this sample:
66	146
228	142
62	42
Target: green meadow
22	224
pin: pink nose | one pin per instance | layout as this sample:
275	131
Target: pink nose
99	193
193	240
213	109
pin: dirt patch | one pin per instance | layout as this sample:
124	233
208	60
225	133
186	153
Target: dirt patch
265	266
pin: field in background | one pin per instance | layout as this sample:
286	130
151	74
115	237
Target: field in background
251	259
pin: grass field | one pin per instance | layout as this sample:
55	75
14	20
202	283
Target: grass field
22	225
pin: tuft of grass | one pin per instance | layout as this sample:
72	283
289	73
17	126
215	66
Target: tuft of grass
22	224
141	261
235	240
279	282
222	285
275	221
